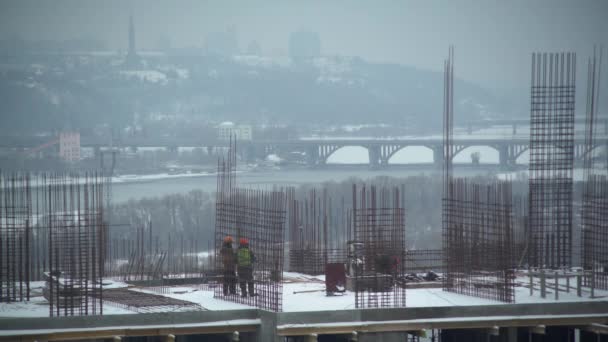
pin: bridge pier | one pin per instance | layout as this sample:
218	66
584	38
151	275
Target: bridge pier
312	156
503	156
374	156
437	155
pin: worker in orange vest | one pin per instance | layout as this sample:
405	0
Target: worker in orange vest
229	267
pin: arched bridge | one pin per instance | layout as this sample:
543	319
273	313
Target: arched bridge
380	151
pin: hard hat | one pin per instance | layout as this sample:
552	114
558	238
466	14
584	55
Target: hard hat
228	239
244	241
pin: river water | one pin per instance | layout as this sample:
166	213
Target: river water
138	189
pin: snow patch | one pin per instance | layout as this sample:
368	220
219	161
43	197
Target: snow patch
152	76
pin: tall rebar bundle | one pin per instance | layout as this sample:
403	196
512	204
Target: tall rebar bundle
476	225
595	188
551	159
15	237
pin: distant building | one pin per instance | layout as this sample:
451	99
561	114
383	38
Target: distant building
254	49
69	146
304	44
227	129
222	43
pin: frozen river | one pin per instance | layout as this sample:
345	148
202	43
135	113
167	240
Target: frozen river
160	186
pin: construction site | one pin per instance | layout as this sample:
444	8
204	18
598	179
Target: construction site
292	265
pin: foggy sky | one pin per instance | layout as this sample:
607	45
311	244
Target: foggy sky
493	39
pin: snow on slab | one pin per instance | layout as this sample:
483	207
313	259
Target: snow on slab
36	307
39	307
295	276
303	293
318	301
314	301
113	284
201	297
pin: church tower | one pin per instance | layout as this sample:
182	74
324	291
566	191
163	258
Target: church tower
132	57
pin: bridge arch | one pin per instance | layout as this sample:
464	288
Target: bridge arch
488	155
348	154
411	155
523	157
595	152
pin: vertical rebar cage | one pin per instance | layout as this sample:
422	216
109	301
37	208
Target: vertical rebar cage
594	211
73	207
595	232
310	226
478	240
378	249
551	159
259	217
15	228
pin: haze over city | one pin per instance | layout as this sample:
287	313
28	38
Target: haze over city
488	34
298	171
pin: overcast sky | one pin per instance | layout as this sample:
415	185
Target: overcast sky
493	39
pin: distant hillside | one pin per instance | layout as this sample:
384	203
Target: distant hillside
86	92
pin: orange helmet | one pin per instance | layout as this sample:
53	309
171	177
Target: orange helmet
243	242
228	239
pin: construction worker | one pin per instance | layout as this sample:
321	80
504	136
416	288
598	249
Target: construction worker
229	263
245	262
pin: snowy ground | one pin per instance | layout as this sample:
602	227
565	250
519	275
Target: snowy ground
307	293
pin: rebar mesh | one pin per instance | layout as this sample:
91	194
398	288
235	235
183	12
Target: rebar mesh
595	233
478	240
377	252
74	218
551	159
595	189
424	260
309	225
15	216
257	217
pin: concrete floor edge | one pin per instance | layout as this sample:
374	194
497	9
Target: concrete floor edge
270	326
